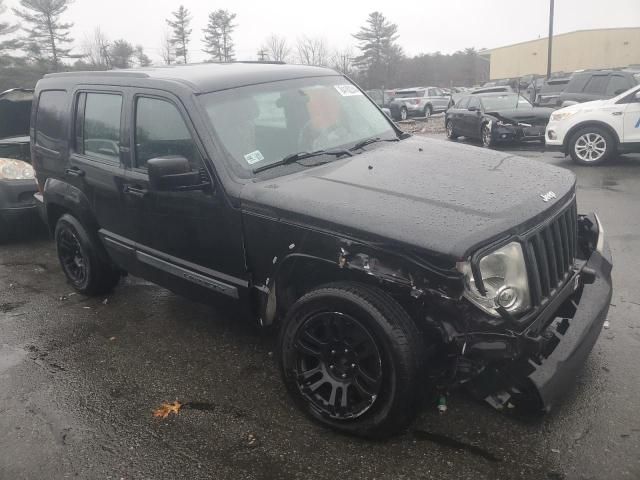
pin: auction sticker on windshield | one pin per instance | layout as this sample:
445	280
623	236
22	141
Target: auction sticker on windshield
254	157
347	90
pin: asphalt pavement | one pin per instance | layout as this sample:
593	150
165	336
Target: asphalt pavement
80	377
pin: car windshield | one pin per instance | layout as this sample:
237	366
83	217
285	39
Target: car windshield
262	124
505	102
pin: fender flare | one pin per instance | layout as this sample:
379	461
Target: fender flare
60	197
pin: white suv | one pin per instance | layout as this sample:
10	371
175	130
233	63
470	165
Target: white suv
592	132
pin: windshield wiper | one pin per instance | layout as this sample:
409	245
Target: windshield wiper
296	157
371	140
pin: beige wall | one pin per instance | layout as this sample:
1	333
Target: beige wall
616	47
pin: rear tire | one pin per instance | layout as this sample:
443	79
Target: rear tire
81	258
351	358
591	146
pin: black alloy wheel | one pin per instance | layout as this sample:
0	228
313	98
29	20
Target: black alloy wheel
72	258
338	366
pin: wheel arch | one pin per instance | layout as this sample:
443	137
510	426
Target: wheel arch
60	198
590	123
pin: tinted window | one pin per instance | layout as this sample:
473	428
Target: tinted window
463	102
474	102
162	132
596	85
410	94
101	126
617	85
51	125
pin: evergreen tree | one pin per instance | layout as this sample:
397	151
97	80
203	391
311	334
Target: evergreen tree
121	54
7	44
217	36
141	57
46	32
379	51
181	32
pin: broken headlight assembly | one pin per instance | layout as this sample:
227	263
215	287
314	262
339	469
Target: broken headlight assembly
503	282
11	169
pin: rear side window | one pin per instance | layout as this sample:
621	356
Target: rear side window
161	132
51	119
463	102
101	126
617	85
596	85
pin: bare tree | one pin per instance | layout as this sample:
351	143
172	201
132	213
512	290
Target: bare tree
276	48
312	51
342	60
166	48
97	50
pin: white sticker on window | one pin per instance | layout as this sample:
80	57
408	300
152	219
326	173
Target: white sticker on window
254	157
347	90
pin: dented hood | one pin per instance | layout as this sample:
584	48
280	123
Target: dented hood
424	194
534	115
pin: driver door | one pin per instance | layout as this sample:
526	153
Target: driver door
631	132
189	241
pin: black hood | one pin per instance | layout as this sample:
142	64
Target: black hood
531	115
425	194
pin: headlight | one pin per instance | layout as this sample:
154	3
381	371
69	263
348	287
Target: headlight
557	116
504	276
500	123
15	170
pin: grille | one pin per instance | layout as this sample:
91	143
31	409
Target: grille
551	250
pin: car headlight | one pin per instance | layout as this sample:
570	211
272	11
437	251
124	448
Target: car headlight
500	123
557	116
15	170
505	281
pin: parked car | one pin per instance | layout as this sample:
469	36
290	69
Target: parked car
597	85
496	117
387	262
420	101
550	92
382	98
593	132
17	183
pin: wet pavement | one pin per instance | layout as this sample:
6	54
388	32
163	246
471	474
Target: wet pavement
79	378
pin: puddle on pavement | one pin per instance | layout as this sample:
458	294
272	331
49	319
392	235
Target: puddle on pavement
453	443
10	357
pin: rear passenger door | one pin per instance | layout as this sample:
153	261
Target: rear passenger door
189	241
95	161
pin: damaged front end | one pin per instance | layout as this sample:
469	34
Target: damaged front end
529	360
525	129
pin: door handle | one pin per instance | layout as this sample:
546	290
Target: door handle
616	113
74	172
135	191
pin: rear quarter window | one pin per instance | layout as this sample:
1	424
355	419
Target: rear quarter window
51	119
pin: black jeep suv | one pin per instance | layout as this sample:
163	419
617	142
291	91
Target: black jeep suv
387	262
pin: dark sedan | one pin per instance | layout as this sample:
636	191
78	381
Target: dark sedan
496	117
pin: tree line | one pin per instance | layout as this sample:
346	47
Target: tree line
42	43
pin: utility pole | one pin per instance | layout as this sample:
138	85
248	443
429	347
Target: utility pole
550	39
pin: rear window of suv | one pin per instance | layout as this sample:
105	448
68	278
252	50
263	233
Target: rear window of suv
51	127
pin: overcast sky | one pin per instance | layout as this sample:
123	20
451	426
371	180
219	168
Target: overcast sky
424	26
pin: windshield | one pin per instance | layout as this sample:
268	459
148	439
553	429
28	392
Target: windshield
505	102
262	124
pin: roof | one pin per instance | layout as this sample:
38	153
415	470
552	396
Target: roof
208	77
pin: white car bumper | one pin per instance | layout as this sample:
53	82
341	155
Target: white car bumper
555	134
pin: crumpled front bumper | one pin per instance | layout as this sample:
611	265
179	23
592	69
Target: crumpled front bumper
517	133
558	371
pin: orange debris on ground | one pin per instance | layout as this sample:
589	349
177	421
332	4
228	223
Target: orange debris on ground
167	408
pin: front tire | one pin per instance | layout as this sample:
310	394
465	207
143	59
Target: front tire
450	132
486	137
351	359
81	258
591	146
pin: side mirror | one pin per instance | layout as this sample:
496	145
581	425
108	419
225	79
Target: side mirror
173	174
473	109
